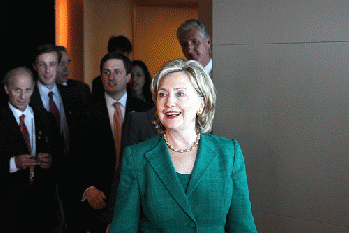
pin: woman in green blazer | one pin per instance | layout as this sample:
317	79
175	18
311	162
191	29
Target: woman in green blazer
184	180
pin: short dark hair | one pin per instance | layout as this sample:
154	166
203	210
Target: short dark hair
118	56
119	43
47	48
15	71
61	49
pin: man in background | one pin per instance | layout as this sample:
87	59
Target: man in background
101	137
120	44
30	149
195	40
82	89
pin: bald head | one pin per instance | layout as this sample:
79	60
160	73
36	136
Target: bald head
19	86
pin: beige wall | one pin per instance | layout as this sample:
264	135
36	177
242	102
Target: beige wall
102	19
155	40
281	72
152	30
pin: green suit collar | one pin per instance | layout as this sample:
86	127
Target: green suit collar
159	158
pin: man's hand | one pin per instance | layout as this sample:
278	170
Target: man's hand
44	160
24	161
96	198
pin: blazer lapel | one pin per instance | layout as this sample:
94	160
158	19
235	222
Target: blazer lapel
35	99
10	124
159	158
205	157
66	99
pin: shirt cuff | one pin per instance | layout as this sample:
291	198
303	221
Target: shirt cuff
13	167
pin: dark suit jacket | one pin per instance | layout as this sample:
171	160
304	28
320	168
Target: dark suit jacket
82	90
150	197
97	88
22	203
73	103
98	144
138	127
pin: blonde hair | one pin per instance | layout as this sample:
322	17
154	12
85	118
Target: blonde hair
201	82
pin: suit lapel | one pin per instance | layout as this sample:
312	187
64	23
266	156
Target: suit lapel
66	98
9	122
160	160
35	99
205	157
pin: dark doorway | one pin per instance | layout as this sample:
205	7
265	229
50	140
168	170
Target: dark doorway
24	26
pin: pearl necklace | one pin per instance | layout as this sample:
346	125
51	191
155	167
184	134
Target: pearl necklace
185	150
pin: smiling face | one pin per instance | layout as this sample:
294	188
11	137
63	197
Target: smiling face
115	78
178	102
46	66
19	90
195	47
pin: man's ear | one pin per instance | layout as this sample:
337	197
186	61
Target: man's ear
209	41
128	77
35	68
6	89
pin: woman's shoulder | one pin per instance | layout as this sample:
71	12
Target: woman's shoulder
146	145
218	140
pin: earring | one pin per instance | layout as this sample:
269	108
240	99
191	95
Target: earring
199	112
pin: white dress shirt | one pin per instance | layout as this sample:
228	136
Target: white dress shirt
111	109
64	130
30	124
208	67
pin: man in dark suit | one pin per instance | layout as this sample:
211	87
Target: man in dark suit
138	127
30	150
66	103
99	153
120	44
82	90
195	39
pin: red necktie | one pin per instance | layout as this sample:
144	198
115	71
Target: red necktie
24	131
54	109
26	137
117	132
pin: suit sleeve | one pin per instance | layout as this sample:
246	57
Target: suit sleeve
240	217
127	207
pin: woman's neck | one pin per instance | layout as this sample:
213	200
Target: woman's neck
181	140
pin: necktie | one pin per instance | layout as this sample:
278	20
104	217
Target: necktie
54	109
117	132
24	131
26	137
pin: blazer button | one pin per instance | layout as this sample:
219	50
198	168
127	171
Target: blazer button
192	225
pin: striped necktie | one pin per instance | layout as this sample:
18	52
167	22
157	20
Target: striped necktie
117	121
25	132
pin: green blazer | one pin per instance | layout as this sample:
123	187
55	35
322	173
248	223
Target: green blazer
150	197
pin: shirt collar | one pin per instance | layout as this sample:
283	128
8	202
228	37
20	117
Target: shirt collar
28	112
44	90
208	67
111	101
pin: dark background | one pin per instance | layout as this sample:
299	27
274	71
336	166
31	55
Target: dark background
24	25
